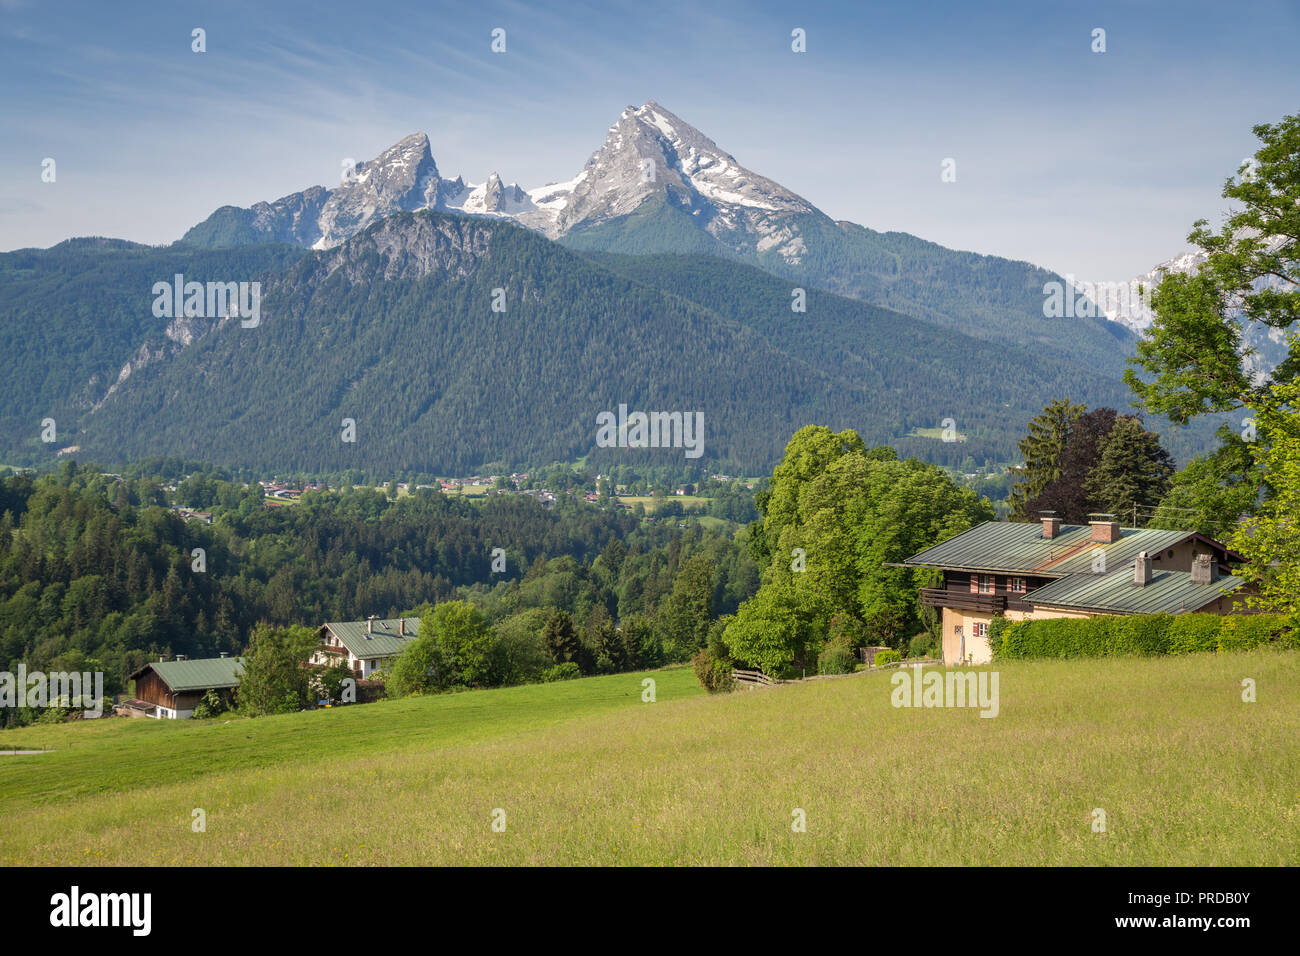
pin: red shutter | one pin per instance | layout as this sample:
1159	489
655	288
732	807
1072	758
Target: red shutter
974	584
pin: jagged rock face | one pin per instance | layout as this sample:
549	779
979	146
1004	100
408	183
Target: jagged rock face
649	154
402	178
294	218
408	247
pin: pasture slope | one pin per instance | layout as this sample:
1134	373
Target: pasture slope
586	773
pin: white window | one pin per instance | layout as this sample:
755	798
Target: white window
981	629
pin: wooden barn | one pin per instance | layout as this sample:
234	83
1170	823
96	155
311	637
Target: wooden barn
171	689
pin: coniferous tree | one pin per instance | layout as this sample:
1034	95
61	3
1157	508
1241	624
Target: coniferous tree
560	638
1132	471
1042	448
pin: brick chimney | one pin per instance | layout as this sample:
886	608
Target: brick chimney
401	626
1142	570
1105	528
1205	570
1051	524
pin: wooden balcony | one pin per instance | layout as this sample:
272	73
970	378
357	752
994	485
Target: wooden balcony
963	600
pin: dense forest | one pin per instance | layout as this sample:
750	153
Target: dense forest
395	331
986	297
97	573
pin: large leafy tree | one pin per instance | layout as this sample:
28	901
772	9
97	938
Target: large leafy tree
844	515
274	680
689	610
1214	491
1190	364
1066	493
1191	361
463	638
1271	539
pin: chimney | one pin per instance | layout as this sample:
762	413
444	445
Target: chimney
162	658
401	626
370	624
1205	570
1105	528
1142	570
1051	524
180	657
223	653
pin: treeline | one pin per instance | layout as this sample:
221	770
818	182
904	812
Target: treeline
97	574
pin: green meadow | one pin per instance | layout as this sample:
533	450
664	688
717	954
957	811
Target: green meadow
585	772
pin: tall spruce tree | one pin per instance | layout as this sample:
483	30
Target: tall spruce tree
1042	448
1132	471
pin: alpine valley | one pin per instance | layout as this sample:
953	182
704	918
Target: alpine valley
663	275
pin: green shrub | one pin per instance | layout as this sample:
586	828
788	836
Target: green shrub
1241	632
920	646
713	673
1139	634
1145	634
1190	633
211	704
835	659
889	656
997	630
566	671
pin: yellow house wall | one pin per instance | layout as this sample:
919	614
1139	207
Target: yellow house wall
978	650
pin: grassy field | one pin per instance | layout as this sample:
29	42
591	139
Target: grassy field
1186	772
935	433
654	502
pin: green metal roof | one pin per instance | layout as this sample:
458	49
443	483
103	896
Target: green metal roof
1021	547
198	674
384	642
1170	592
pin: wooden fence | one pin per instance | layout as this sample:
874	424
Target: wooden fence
752	679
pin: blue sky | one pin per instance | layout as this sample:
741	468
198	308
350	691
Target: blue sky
1090	163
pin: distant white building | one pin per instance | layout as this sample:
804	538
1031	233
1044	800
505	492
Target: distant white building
365	646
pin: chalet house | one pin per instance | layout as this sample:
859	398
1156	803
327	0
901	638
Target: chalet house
1025	570
171	689
364	645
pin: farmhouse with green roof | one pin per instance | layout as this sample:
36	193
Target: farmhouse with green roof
365	646
1024	570
171	689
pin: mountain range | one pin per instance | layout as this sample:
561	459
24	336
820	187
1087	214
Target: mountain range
1263	348
459	324
657	184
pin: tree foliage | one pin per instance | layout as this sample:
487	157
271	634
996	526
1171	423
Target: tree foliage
837	517
274	678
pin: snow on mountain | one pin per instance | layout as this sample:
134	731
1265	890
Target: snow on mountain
649	153
1265	347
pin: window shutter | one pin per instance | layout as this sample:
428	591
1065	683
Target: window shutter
974	584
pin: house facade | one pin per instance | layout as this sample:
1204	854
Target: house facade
365	646
1026	570
172	689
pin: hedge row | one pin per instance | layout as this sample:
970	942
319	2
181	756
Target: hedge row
1141	634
